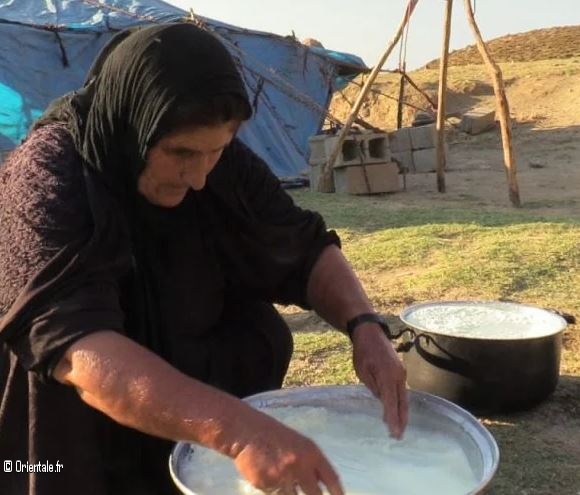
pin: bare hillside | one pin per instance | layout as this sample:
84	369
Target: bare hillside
545	93
544	98
540	44
541	71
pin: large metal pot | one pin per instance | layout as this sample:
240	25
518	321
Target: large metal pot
460	350
426	411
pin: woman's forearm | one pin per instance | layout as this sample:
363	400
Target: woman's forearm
138	389
334	290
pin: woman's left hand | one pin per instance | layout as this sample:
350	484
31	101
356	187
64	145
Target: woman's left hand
377	365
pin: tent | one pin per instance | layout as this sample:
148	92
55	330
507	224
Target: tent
47	46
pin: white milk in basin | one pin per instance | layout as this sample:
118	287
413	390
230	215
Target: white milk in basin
367	459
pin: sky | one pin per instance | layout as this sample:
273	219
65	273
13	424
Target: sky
365	27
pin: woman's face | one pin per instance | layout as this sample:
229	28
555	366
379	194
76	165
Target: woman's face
182	160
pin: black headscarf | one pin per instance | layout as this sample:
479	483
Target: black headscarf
140	75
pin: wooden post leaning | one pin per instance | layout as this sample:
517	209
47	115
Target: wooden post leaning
325	183
502	107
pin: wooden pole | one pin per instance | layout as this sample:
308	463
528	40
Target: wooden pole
502	106
401	98
325	184
442	101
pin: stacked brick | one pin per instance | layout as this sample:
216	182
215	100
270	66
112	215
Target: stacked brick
414	148
363	166
477	121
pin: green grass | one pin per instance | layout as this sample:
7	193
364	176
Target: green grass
449	253
321	358
404	255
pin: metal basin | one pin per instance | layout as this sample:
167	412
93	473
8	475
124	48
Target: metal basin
426	411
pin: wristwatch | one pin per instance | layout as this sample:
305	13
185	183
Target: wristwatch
367	318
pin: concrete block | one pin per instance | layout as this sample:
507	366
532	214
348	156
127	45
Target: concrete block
367	179
322	146
400	140
317	149
314	177
423	137
422	118
425	160
477	121
351	152
405	160
315	163
376	147
366	147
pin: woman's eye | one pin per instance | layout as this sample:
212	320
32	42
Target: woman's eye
185	153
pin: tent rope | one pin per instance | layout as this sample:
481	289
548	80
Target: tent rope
63	56
403	48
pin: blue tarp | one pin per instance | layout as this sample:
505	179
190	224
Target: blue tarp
47	46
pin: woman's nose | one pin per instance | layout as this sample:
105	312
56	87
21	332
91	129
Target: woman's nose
195	172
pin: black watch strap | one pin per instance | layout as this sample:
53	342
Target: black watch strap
367	318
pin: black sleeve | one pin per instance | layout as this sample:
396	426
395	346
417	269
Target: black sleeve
271	244
60	262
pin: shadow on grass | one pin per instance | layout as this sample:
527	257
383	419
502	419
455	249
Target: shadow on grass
540	448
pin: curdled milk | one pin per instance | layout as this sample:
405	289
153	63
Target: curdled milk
368	461
494	320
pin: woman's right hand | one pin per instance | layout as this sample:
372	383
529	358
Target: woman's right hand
277	459
139	392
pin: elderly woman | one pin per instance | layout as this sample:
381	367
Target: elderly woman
142	248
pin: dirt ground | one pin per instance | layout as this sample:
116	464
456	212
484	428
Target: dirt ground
544	101
547	163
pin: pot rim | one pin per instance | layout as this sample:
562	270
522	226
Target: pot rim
405	313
